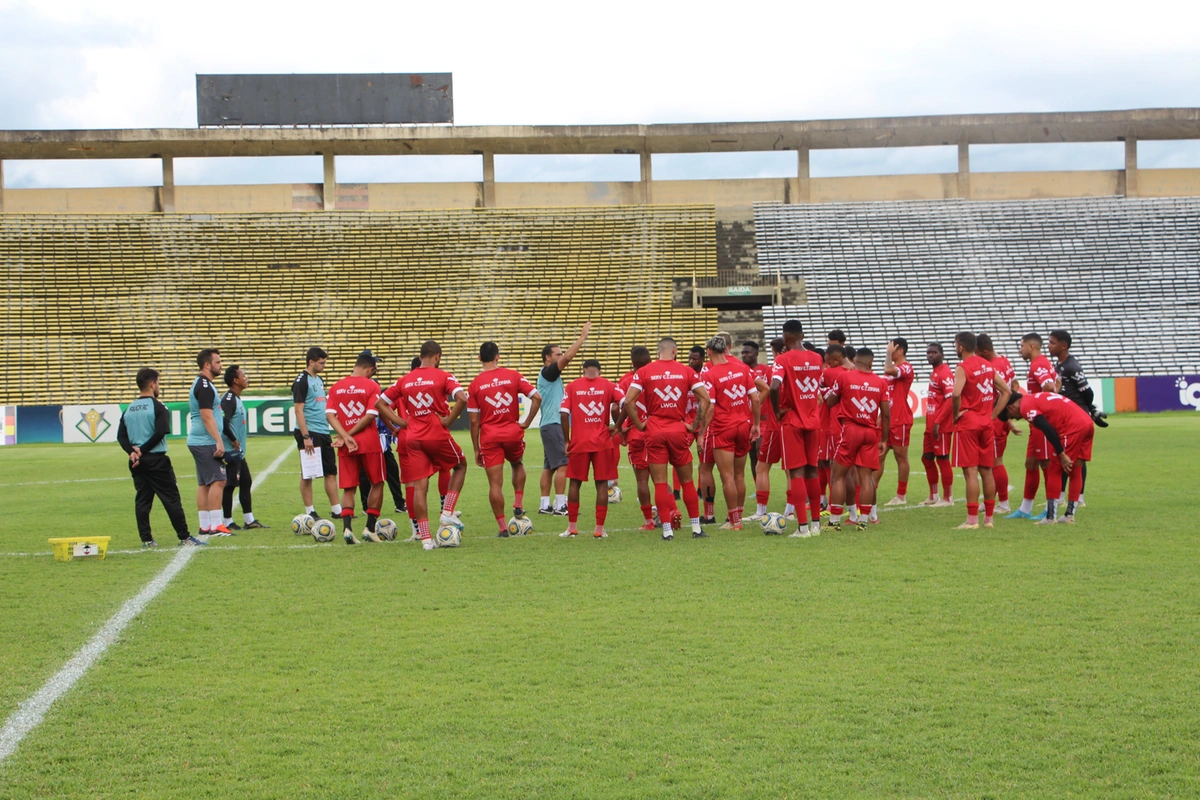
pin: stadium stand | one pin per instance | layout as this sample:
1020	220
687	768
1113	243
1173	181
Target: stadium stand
93	298
1122	275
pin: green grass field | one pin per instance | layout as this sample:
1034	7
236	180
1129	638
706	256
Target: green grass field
907	660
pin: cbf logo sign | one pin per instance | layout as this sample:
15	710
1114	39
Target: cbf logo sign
90	424
1189	393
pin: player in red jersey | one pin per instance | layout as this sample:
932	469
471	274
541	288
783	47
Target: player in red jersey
795	380
770	448
761	371
635	440
1069	430
1001	428
352	407
588	414
1042	378
497	430
935	446
664	384
979	397
861	401
732	423
831	426
705	483
426	391
899	375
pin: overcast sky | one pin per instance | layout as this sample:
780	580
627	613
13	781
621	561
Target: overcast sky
72	64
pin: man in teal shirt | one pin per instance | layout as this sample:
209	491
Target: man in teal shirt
233	436
312	430
550	387
204	441
143	435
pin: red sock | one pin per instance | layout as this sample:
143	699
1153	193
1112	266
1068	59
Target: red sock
648	513
503	524
763	497
864	511
601	515
518	500
1054	477
347	511
835	511
710	508
1001	474
822	478
451	499
902	488
735	516
972	512
797	493
423	528
572	512
1075	486
947	477
814	497
989	508
443	481
409	494
665	499
691	500
1033	479
931	475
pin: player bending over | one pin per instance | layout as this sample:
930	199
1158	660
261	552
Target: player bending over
861	400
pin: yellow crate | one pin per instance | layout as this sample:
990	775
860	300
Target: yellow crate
68	547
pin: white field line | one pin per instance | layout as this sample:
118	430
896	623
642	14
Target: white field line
32	711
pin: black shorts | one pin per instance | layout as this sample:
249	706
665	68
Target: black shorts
324	443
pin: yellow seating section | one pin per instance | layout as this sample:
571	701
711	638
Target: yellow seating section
91	299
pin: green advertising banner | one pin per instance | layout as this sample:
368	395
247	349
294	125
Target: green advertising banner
269	416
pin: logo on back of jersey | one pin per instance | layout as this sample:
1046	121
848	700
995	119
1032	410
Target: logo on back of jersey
865	404
985	388
669	395
591	408
807	385
735	393
353	409
421	401
500	401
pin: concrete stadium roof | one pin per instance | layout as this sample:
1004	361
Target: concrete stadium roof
1091	126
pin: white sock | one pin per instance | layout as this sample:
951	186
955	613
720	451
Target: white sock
1027	506
803	528
336	509
666	528
853	515
695	523
789	509
309	509
560	501
228	521
214	518
545	506
247	518
203	520
874	515
761	509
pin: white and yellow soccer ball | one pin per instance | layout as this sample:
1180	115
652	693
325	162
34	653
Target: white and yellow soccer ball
386	529
448	536
614	494
324	530
520	526
773	524
302	525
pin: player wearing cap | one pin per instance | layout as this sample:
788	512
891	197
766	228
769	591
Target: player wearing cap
588	416
665	383
899	375
142	433
795	381
770	448
732	423
426	393
353	406
204	442
935	447
1001	428
497	430
1069	430
233	437
1041	378
975	403
635	440
862	407
312	429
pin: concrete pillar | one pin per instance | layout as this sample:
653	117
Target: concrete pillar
964	171
1	186
329	190
1131	167
489	179
647	177
803	176
166	202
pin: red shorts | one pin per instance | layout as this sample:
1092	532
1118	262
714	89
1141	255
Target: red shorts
349	465
428	457
496	453
635	443
670	446
1078	447
799	447
1038	448
899	435
973	448
999	438
771	449
858	446
735	439
602	462
938	445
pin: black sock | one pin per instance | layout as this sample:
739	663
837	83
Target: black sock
1070	509
347	518
371	522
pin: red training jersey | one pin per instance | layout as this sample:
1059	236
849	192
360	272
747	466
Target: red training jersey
1004	369
938	397
664	386
1065	416
1041	373
425	393
978	395
589	402
731	389
767	415
693	402
799	374
860	396
624	384
495	396
350	400
829	415
898	389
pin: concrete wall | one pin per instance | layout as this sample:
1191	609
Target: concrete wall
721	193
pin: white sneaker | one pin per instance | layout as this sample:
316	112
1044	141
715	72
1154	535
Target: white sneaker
1003	508
1081	503
567	534
370	536
452	519
814	529
348	537
800	535
791	517
929	501
757	517
428	544
943	503
897	501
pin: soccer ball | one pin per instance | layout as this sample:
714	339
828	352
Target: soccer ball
614	494
773	524
324	530
302	525
386	529
448	536
519	526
